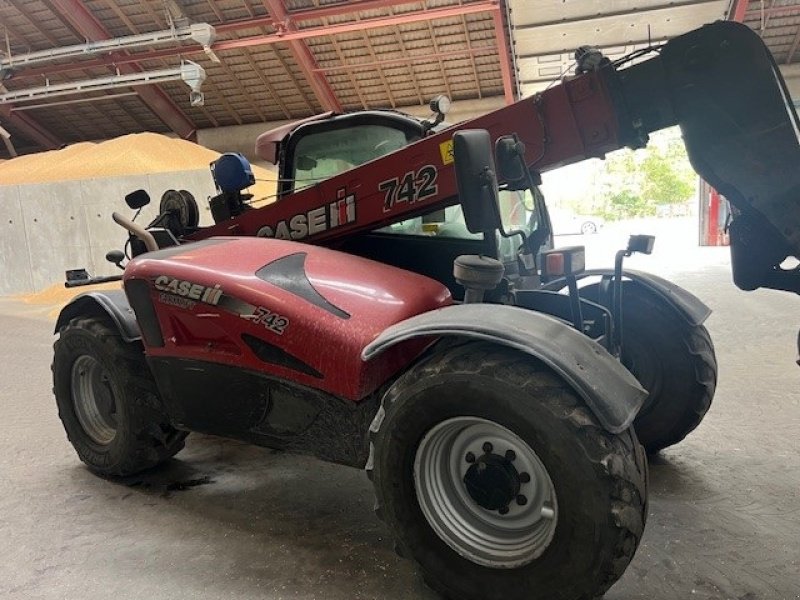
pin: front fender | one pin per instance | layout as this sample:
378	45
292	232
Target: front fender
111	303
686	304
610	391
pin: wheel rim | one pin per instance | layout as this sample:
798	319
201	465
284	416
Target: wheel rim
588	228
485	492
94	400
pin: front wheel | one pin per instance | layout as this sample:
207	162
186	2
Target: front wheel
107	400
499	481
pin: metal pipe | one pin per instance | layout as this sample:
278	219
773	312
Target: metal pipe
202	33
137	230
73	101
189	72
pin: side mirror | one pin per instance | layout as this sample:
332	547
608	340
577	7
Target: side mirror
138	199
476	180
115	257
508	151
641	243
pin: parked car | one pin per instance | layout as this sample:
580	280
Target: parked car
566	222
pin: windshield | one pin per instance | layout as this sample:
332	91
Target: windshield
321	155
516	210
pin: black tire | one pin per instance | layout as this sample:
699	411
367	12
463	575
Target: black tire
674	361
141	436
600	479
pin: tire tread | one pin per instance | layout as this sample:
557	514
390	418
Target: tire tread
154	440
481	359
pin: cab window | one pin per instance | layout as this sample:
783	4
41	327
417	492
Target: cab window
318	156
516	211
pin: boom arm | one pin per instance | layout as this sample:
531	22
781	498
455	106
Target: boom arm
565	124
719	83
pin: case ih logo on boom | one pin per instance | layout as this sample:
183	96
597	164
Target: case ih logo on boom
329	216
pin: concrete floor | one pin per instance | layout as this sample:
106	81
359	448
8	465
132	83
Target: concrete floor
724	514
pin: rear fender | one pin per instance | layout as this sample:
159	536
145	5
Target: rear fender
684	303
110	303
610	391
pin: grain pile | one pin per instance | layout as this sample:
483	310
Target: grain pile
132	154
52	299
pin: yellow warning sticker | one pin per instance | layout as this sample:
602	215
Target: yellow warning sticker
446	148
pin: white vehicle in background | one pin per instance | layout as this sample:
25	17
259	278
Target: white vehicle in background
566	222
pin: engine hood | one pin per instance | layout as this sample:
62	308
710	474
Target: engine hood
318	306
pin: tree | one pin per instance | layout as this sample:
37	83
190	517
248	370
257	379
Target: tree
634	184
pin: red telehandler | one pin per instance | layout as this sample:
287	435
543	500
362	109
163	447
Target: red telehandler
407	314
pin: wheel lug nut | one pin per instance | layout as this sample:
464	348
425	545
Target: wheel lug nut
470	457
487	447
524	477
510	455
522	500
503	510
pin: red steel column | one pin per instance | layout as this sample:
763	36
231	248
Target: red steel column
738	10
503	55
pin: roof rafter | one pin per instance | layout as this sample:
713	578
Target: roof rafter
303	57
480	6
79	15
30	128
33	22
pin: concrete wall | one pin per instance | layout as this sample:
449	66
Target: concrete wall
48	228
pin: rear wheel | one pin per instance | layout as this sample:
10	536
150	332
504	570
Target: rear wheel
107	400
674	361
588	228
499	481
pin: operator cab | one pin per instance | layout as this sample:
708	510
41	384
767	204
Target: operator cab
315	149
326	145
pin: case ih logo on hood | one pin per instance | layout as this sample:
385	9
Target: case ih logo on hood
340	212
187	289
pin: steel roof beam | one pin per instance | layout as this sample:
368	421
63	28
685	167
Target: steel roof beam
313	14
81	18
373	23
276	38
30	128
303	57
